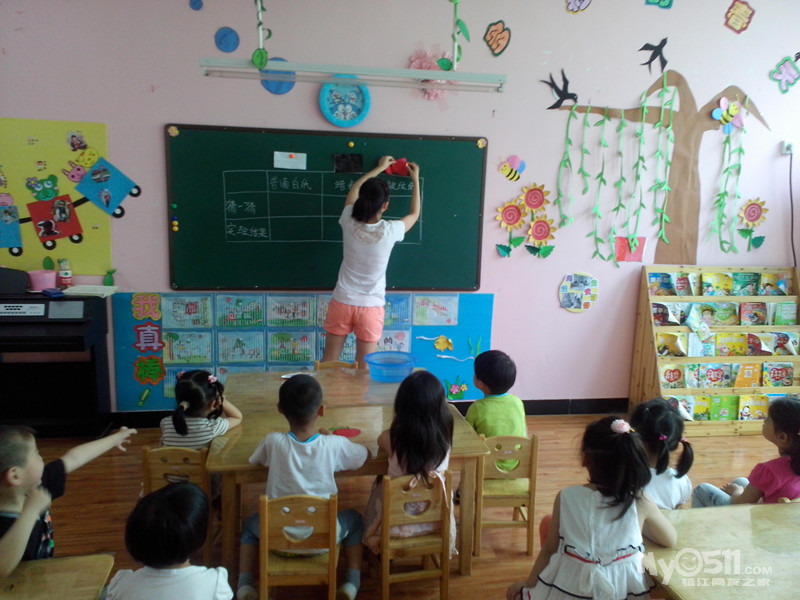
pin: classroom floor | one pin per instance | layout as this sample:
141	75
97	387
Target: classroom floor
90	518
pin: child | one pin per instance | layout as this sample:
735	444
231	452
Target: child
769	481
660	428
196	419
303	461
358	298
498	412
418	443
594	547
164	529
27	487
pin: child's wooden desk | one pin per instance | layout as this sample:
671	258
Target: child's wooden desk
351	400
742	551
73	577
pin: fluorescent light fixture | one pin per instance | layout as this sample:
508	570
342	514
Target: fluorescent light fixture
319	73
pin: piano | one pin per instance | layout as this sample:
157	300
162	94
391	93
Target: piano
54	367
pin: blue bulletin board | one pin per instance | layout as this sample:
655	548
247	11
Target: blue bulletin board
159	335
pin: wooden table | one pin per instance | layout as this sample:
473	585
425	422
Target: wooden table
351	400
73	577
741	551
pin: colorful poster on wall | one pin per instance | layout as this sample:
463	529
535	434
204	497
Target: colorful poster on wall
43	213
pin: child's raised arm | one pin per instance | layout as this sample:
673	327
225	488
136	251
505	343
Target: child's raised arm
78	456
655	526
414	210
549	548
15	540
382	165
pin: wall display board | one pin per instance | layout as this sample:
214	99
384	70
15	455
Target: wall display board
259	208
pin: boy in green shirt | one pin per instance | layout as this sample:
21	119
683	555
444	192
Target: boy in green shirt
498	412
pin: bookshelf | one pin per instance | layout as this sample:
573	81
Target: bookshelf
649	365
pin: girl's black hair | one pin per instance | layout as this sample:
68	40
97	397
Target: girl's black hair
371	197
785	416
616	462
196	389
167	526
661	429
422	429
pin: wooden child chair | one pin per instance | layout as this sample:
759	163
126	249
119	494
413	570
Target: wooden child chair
501	486
433	549
171	464
280	520
334	364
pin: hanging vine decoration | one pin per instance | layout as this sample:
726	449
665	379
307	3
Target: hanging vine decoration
621	181
638	192
260	56
584	152
459	28
566	163
658	183
661	213
721	199
739	152
601	181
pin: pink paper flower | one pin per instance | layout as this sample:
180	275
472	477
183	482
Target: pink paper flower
620	426
427	60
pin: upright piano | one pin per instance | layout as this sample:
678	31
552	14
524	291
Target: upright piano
54	367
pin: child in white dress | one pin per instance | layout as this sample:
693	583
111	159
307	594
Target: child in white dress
661	429
418	442
594	546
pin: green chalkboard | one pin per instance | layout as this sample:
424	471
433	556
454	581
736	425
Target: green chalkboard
259	208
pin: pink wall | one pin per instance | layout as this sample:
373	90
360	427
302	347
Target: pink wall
134	66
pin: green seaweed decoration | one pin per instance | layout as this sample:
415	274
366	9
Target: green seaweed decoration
459	28
566	163
260	55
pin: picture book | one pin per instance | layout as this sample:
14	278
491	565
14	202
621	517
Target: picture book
697	324
660	284
672	376
778	374
724	408
727	313
748	375
717	284
731	344
775	284
684	405
691	374
662	315
700	410
685	284
783	313
714	375
746	284
705	313
671	344
785	343
698	347
753	407
759	344
753	313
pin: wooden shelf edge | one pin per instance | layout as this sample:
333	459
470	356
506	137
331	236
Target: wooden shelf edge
720	428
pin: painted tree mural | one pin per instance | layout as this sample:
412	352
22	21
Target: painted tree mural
677	243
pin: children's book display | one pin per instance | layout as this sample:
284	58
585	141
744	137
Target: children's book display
721	360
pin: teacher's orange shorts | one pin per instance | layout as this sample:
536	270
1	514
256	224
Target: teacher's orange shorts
365	321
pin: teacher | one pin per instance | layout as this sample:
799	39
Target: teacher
358	298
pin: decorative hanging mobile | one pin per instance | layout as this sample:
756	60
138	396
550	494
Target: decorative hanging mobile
751	216
260	56
459	28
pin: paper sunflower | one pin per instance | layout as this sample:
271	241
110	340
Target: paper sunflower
512	215
534	197
752	213
541	231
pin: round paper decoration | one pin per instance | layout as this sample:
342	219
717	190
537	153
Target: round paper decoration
578	292
278	87
226	39
344	105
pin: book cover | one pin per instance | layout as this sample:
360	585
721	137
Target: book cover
685	284
684	405
717	284
753	313
731	344
748	375
783	313
753	407
664	314
777	374
785	343
671	344
759	344
714	375
697	324
660	284
700	410
727	313
691	374
724	408
698	347
746	284
774	284
672	376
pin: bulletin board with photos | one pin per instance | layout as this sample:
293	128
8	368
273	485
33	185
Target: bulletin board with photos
719	343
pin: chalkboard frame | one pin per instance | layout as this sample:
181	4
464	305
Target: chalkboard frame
458	173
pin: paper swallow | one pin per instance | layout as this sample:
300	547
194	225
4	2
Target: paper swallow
655	52
561	93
